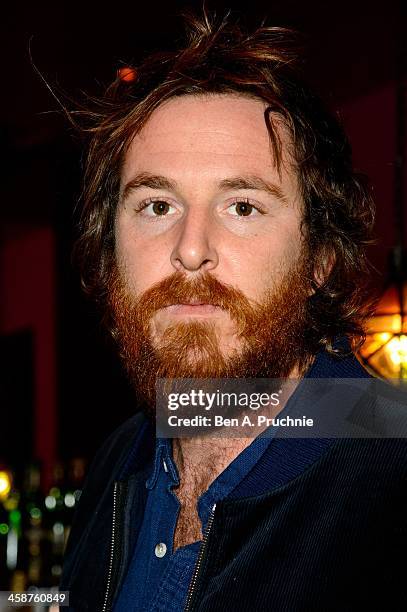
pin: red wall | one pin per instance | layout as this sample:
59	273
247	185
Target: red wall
27	278
370	122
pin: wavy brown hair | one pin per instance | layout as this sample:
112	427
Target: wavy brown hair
219	57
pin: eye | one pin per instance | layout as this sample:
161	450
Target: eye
156	208
243	208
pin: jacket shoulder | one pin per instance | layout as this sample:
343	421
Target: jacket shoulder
114	450
103	471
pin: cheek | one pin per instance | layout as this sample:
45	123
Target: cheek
281	257
262	261
141	261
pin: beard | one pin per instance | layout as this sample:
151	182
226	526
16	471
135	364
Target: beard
270	334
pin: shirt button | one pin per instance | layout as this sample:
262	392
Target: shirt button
160	550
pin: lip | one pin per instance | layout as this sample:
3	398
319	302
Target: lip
192	308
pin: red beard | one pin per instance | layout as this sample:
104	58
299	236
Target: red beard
271	333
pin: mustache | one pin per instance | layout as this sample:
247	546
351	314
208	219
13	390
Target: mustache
177	288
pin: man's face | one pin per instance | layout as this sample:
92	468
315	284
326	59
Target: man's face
201	197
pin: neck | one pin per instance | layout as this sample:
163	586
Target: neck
201	459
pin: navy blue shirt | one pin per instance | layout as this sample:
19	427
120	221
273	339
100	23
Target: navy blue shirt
158	578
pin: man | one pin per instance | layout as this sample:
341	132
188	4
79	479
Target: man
223	235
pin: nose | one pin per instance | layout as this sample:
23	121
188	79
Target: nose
194	249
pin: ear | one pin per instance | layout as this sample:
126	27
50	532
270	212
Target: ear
323	267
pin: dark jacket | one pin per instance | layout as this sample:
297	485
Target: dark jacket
320	525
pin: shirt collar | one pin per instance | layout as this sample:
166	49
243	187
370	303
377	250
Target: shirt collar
163	460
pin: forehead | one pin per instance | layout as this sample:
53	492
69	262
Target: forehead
221	134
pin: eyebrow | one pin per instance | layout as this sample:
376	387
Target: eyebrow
145	179
156	181
254	183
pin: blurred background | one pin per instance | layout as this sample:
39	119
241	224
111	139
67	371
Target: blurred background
61	388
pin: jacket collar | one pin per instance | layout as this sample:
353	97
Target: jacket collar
286	458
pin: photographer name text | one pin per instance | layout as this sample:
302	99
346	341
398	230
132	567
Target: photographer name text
245	421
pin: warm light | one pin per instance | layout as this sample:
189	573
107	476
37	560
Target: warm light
396	323
11	503
397	349
386	355
127	74
5	484
385	349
